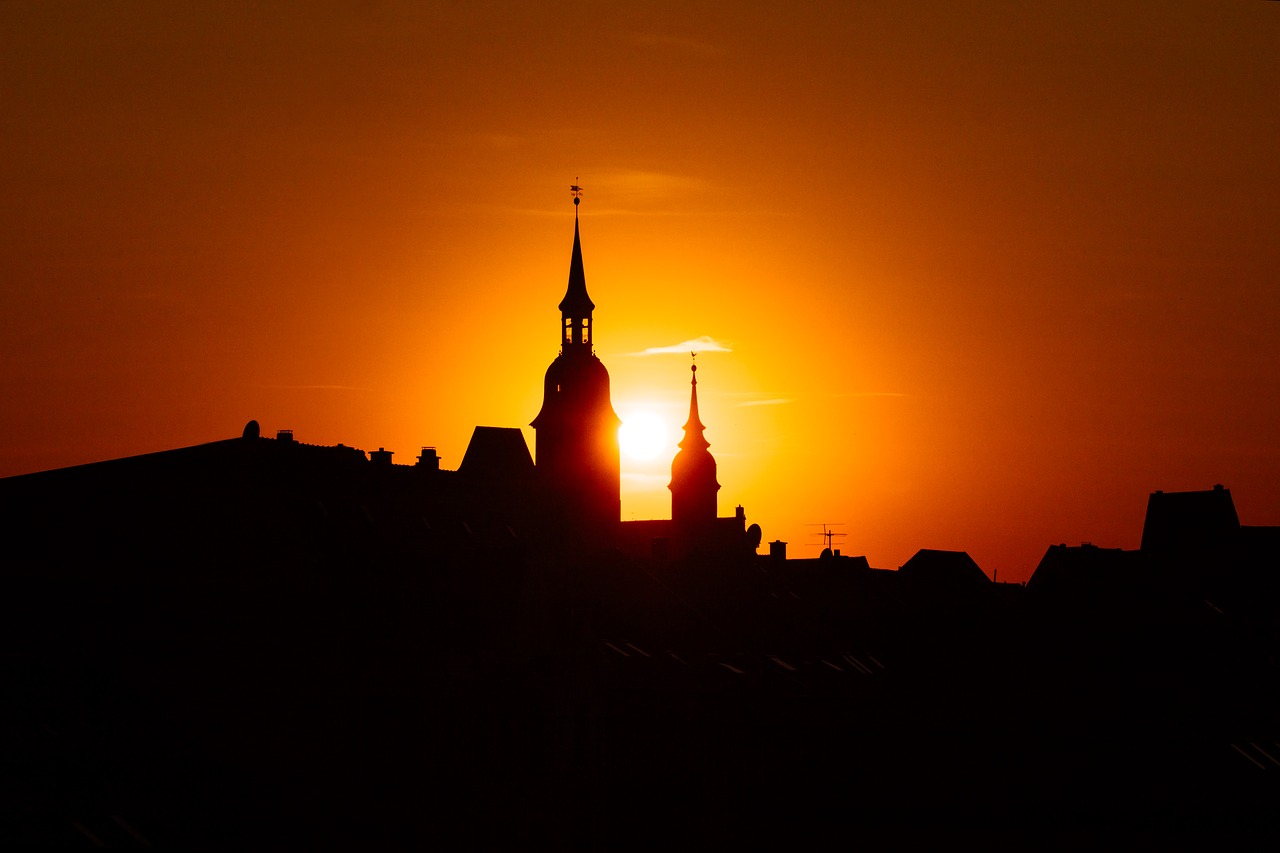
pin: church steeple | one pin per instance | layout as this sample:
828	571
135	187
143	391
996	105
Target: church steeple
693	470
576	443
576	307
693	438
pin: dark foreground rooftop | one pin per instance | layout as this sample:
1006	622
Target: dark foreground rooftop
257	644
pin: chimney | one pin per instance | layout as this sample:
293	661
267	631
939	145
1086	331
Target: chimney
428	459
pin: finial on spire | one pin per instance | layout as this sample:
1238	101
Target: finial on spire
576	191
693	357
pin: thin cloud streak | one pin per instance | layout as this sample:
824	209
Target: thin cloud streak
678	44
779	401
314	387
705	343
847	394
776	401
647	184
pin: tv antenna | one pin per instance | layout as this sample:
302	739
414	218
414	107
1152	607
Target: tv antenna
827	533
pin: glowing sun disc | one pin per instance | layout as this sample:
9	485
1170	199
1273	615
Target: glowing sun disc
643	436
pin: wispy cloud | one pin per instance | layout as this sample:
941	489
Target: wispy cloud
706	343
314	387
645	187
623	191
754	399
775	401
680	44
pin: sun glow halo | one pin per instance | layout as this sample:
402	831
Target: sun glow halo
643	436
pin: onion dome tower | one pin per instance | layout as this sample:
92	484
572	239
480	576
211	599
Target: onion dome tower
576	439
693	471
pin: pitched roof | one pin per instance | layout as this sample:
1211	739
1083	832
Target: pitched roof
944	567
496	452
1182	520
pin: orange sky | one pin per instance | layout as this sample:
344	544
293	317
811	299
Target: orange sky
990	272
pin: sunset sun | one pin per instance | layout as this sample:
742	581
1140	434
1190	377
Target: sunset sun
643	436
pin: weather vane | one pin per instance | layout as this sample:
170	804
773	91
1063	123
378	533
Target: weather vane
577	192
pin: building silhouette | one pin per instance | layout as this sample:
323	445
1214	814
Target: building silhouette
693	472
577	429
1195	558
695	527
260	642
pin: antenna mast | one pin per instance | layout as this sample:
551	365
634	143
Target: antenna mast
827	533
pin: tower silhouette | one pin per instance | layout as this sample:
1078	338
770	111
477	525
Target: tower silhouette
576	438
693	471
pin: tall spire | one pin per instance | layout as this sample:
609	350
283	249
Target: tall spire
576	307
577	428
576	302
693	437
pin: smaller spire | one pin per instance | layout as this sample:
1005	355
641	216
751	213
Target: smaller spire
693	437
693	471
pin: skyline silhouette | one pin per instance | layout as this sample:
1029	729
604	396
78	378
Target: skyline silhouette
984	274
263	641
310	537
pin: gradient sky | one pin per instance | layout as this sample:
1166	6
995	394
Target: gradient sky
989	272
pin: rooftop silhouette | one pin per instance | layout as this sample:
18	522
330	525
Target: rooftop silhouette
264	642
